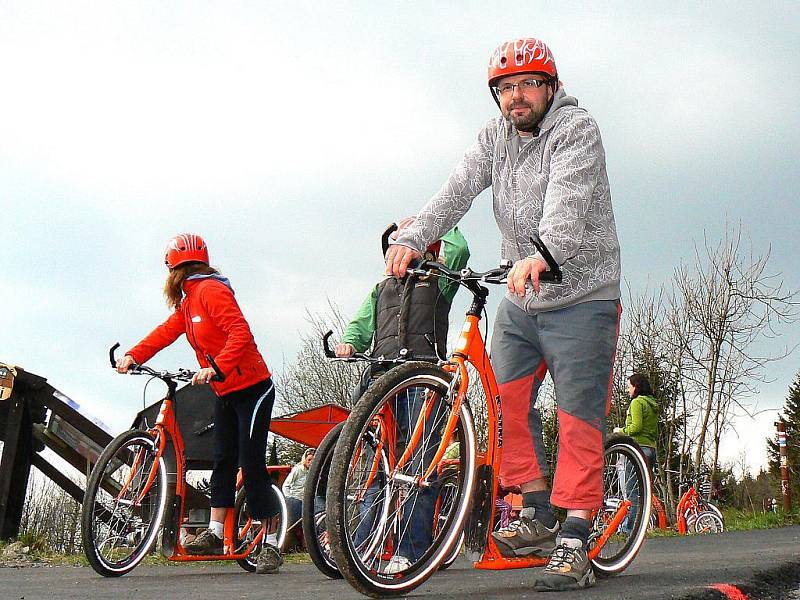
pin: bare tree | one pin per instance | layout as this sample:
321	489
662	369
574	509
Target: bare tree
312	379
731	305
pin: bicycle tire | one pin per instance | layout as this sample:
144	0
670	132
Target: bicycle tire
708	522
443	507
118	531
365	422
241	519
622	455
706	505
315	531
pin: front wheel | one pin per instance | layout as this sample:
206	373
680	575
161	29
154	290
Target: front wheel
247	529
708	522
620	525
124	504
380	507
315	530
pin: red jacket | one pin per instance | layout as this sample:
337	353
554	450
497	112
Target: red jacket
213	323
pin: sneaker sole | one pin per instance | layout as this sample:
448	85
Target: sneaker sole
586	581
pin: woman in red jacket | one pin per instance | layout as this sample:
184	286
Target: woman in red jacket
207	312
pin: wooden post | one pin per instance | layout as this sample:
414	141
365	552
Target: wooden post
784	450
15	465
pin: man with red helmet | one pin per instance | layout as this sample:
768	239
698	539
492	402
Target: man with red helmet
206	311
544	160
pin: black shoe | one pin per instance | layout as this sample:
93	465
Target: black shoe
206	543
569	568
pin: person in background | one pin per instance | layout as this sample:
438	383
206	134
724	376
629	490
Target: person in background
641	420
206	312
294	484
408	317
641	423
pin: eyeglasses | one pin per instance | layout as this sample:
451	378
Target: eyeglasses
507	89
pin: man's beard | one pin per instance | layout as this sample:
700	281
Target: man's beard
528	122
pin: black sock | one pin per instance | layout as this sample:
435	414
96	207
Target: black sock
577	529
540	501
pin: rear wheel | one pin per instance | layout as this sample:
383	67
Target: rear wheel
708	522
315	530
124	504
626	487
247	529
379	462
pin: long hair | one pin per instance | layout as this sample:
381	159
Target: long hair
173	288
641	385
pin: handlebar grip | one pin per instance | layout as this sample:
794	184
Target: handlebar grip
111	352
220	376
554	275
385	237
326	348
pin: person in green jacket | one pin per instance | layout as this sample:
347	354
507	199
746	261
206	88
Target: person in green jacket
641	422
407	318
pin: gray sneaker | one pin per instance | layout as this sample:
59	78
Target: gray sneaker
526	537
569	568
206	544
269	559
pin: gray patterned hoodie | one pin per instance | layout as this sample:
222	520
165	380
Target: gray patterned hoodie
553	183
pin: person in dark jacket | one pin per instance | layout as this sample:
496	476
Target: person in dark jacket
408	318
206	311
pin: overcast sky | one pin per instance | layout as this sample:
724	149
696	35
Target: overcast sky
290	134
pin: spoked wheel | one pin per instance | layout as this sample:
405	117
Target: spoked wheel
708	522
627	504
126	495
444	506
247	529
380	507
315	530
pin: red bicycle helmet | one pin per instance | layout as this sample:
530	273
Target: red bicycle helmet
186	247
433	249
526	55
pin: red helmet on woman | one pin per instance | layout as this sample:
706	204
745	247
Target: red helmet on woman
186	247
526	55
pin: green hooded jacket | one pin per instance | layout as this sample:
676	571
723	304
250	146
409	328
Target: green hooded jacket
641	423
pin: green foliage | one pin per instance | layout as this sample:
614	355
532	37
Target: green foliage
791	418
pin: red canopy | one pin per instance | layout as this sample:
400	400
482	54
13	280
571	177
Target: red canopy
308	427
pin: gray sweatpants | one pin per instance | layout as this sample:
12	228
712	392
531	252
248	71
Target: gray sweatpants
576	345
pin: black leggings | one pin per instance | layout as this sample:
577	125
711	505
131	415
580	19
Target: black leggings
241	424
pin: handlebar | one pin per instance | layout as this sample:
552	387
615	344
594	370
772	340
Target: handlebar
179	375
356	356
385	237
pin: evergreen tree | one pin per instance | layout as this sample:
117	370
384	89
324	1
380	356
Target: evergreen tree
791	418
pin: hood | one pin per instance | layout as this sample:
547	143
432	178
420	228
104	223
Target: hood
560	100
217	277
650	401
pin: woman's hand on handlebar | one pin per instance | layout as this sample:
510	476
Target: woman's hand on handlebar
125	363
529	268
397	259
344	350
203	376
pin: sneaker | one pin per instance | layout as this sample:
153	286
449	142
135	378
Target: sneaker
396	564
569	568
206	543
525	537
269	559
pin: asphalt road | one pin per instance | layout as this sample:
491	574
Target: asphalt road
665	568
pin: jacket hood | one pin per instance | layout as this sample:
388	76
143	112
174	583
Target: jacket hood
220	278
650	401
560	100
